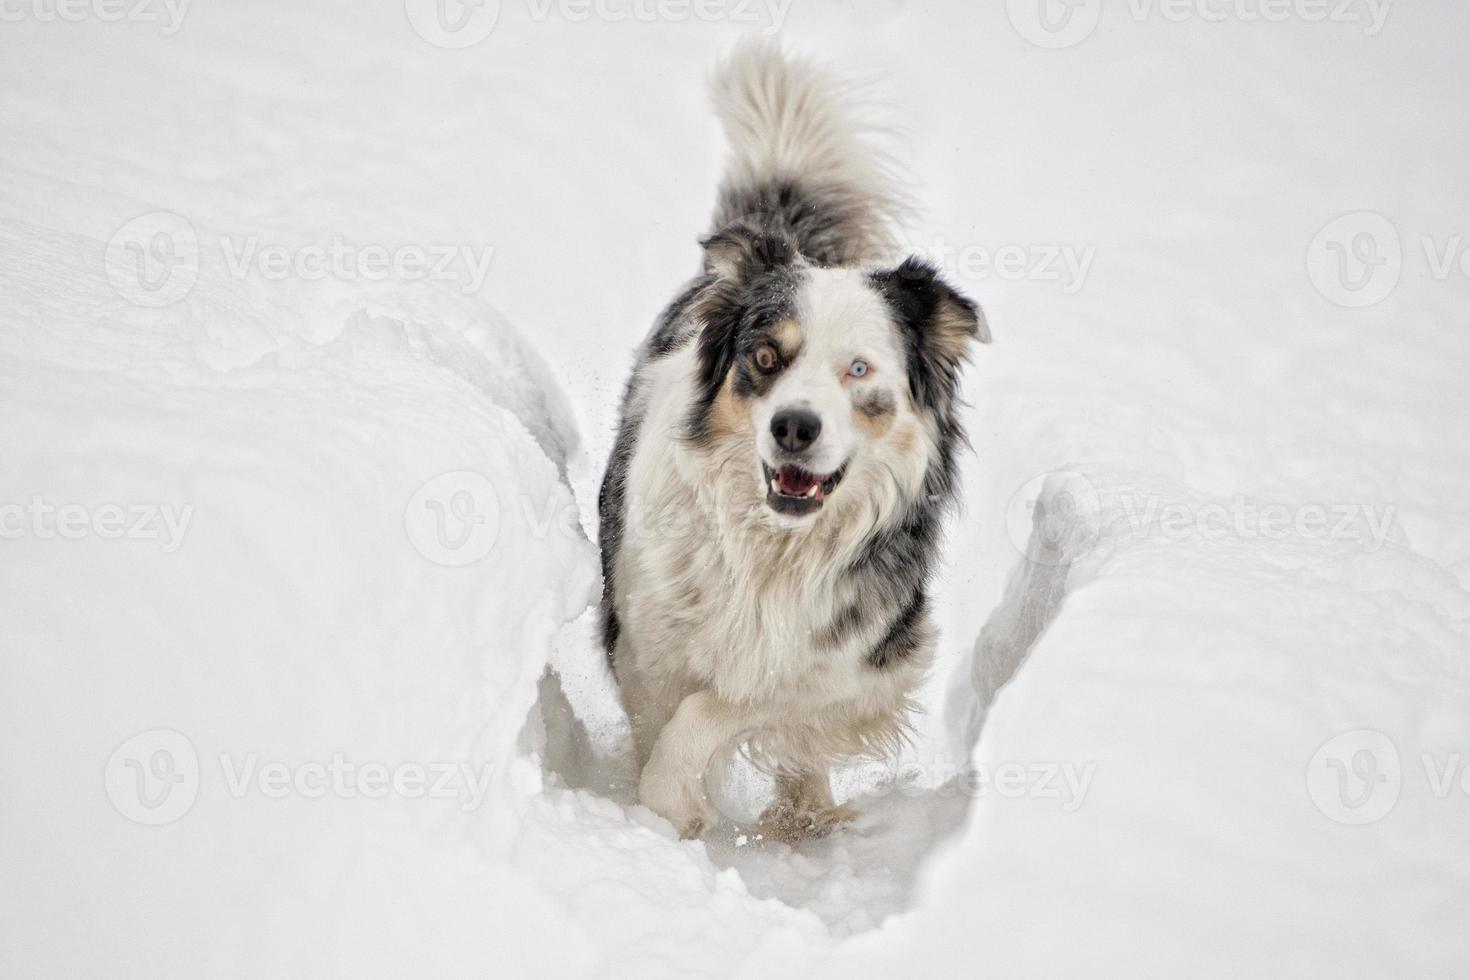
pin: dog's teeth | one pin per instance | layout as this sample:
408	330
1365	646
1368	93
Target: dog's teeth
813	491
775	485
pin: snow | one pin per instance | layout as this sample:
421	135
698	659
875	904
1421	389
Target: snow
1204	618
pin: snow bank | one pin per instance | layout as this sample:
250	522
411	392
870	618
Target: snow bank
300	613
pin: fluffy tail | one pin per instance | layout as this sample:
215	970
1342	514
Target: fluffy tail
807	162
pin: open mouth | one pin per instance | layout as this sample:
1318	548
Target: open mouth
794	491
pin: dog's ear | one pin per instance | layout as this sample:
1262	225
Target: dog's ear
739	254
939	325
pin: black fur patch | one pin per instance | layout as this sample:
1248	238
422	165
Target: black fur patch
903	636
937	322
895	566
847	622
672	329
877	405
823	223
754	290
611	513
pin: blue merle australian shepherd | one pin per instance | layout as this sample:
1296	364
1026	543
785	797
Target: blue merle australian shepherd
772	510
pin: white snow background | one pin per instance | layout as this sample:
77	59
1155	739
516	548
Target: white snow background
287	540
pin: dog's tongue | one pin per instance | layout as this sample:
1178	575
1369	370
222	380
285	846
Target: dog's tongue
795	481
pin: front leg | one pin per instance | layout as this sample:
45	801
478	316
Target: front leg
672	784
803	808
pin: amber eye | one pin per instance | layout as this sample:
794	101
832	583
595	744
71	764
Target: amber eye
766	357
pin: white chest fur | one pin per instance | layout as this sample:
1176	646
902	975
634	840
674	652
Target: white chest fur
713	591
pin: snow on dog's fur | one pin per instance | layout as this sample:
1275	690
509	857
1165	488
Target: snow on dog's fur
771	511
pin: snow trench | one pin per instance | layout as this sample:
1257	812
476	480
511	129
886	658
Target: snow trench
862	874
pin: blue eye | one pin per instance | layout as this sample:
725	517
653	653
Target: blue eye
858	368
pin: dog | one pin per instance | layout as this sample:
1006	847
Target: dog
773	506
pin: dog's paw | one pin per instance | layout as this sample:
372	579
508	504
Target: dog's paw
686	807
789	823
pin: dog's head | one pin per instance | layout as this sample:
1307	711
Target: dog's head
830	385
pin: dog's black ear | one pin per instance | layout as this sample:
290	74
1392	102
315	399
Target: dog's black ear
939	325
740	254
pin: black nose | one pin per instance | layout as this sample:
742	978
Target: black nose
796	429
